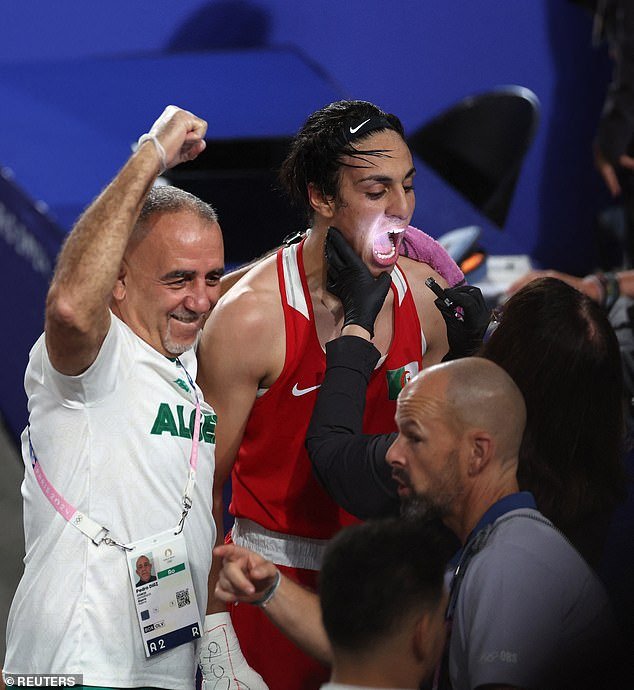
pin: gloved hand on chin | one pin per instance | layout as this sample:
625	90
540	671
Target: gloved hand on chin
349	279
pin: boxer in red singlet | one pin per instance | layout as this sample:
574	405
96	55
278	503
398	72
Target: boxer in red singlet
261	358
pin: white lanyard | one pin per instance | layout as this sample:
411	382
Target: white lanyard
193	456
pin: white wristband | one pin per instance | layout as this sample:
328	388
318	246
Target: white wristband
268	595
159	148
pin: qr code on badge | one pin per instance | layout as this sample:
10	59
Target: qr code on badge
182	598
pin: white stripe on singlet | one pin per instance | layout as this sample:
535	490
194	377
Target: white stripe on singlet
281	549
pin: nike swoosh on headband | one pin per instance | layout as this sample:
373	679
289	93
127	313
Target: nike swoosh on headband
354	130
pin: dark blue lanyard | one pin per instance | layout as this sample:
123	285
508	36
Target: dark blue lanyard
474	544
479	535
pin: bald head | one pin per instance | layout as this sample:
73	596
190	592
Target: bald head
470	393
460	427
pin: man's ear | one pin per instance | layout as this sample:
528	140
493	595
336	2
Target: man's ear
420	639
482	447
321	204
428	640
119	289
430	637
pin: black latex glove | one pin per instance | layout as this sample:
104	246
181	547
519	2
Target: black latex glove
349	279
464	336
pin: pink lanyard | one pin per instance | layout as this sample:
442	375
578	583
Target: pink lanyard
93	530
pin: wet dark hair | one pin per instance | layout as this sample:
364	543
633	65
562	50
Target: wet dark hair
374	575
561	351
318	148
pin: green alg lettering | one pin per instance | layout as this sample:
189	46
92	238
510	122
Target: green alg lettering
208	431
183	431
164	421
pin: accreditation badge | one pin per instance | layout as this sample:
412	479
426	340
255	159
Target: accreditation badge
163	592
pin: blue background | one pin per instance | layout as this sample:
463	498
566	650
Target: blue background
79	81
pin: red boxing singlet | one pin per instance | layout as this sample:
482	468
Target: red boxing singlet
272	480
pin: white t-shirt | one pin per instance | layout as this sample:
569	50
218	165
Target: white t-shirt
115	442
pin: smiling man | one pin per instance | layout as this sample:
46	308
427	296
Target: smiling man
113	424
262	357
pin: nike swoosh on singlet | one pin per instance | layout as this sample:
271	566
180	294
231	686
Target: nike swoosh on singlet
353	130
302	391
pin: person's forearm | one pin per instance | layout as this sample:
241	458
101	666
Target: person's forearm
340	403
296	612
626	282
354	473
606	288
78	301
90	260
248	579
351	466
